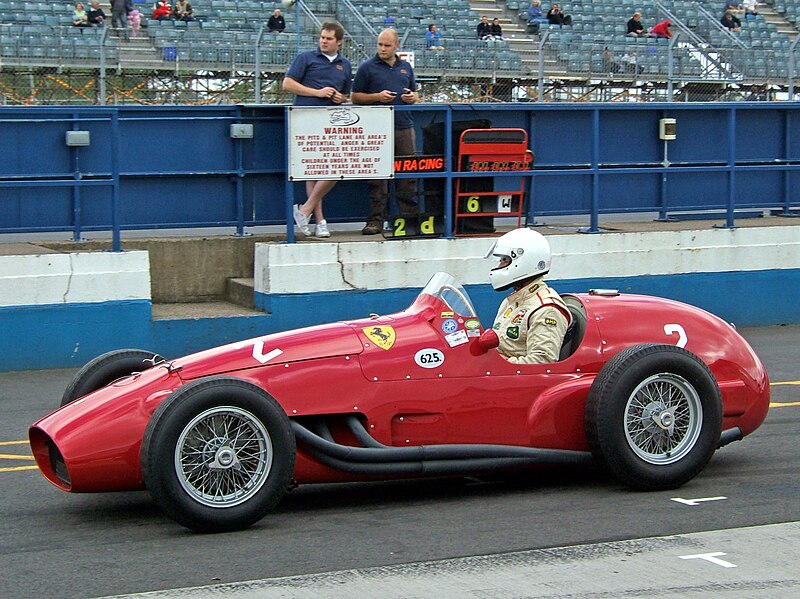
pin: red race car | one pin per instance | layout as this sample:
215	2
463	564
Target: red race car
649	388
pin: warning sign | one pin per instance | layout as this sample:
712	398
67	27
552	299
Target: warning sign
341	142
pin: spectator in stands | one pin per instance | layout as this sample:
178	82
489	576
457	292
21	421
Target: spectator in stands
484	29
731	22
635	27
497	30
610	64
556	16
119	17
183	11
535	17
389	22
387	79
319	77
732	6
433	39
750	9
79	17
535	14
630	62
135	20
162	10
661	30
276	23
95	15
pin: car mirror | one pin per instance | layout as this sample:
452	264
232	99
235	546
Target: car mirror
488	340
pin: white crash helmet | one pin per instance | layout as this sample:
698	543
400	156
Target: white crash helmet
523	253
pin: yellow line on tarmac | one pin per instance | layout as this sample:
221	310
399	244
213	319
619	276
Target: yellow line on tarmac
13	442
13	456
787	404
785	383
18	468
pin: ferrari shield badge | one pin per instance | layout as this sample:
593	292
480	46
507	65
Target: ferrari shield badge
381	336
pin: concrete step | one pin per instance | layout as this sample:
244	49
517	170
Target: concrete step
240	291
486	7
770	15
198	310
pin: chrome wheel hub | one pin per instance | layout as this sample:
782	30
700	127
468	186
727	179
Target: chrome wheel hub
223	456
663	418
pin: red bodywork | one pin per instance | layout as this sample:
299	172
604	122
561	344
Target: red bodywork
337	369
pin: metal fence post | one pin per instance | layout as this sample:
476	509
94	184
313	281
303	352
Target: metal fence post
116	242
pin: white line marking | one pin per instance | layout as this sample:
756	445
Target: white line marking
710	557
258	350
696	501
258	353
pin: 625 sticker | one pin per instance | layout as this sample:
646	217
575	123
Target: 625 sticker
429	358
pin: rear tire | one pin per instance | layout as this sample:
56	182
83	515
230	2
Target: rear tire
218	454
654	416
107	368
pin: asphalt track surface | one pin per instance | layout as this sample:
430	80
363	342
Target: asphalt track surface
556	533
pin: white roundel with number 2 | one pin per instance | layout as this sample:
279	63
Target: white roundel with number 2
429	358
671	329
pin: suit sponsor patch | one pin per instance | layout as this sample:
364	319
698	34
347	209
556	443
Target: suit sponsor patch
551	321
512	332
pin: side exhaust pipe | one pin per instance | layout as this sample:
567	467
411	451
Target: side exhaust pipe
729	436
377	458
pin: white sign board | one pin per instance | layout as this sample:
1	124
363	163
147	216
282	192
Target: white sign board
407	56
341	142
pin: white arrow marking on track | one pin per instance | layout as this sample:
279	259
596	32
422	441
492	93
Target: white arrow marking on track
710	557
696	501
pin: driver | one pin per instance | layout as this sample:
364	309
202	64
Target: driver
532	320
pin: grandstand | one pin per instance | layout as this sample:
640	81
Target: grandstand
226	55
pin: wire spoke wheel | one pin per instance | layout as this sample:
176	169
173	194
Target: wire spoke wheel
662	418
223	456
218	454
654	416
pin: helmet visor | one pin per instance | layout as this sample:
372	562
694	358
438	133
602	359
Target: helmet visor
504	261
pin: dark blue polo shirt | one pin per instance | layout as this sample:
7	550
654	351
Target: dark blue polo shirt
374	75
313	69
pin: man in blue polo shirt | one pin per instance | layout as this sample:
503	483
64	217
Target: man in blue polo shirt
320	77
387	79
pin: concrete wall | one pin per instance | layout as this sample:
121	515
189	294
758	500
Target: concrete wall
55	309
185	269
744	275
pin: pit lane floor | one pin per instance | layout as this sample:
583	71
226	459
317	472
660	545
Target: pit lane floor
757	562
563	532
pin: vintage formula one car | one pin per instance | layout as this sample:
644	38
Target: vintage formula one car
648	388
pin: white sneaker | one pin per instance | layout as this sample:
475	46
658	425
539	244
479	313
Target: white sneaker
301	220
322	229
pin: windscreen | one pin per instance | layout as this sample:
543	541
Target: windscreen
445	287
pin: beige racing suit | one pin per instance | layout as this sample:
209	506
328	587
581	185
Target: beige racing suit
531	324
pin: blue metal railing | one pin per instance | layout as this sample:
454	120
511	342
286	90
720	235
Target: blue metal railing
179	167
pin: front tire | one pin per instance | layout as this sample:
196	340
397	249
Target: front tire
218	454
107	368
654	416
